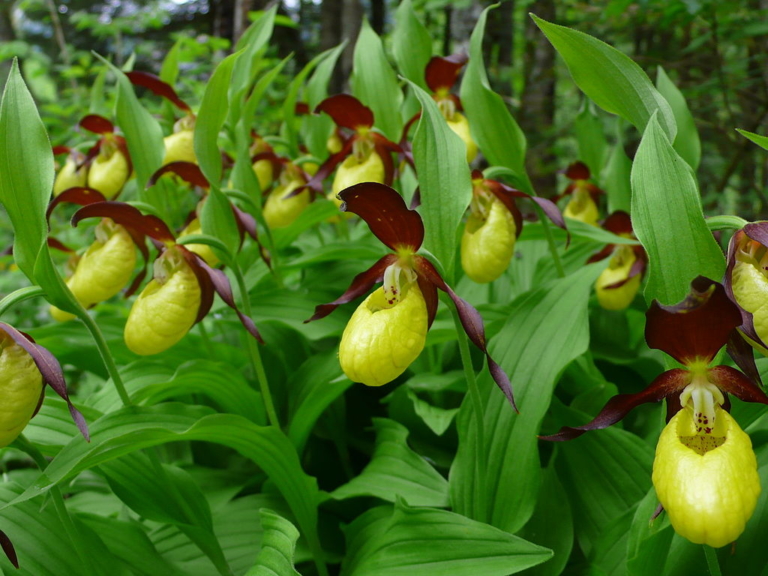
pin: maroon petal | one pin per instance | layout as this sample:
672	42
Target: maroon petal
97	124
386	214
122	146
61	150
758	231
621	404
619	223
9	550
549	207
80	195
224	290
361	284
246	223
429	291
472	323
346	111
58	245
157	86
301	109
577	171
734	382
128	216
51	371
383	148
697	327
187	171
443	72
327	167
203	279
140	242
743	355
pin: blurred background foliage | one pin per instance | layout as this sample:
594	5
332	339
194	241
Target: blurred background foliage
713	50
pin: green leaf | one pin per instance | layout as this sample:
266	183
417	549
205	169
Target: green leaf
251	43
493	127
761	141
437	419
668	220
610	78
396	472
616	175
374	83
649	540
411	44
687	142
277	547
438	543
444	180
546	329
581	229
169	70
591	140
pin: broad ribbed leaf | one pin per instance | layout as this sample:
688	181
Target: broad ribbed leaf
438	543
411	44
687	142
668	220
615	177
396	471
493	127
374	82
649	540
610	78
277	547
444	180
546	329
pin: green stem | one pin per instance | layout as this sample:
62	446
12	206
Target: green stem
477	407
712	563
253	350
61	508
106	356
206	340
550	241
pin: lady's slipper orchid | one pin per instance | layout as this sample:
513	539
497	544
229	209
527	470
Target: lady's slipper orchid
365	156
109	163
73	174
388	330
288	199
618	284
584	195
493	226
705	472
181	292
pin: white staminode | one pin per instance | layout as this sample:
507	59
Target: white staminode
705	396
394	282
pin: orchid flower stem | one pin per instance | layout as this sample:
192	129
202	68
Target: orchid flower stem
712	562
86	559
547	227
476	400
253	350
106	356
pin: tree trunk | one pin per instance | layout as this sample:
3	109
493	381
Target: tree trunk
378	15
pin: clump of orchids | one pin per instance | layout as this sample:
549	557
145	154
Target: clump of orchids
388	330
584	195
705	471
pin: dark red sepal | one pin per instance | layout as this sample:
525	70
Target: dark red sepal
346	111
697	327
187	171
203	280
61	150
757	231
361	284
128	216
80	195
619	222
157	86
443	72
549	207
620	405
386	214
326	168
743	355
301	109
471	321
97	124
577	171
734	382
429	291
9	550
51	371
224	290
59	245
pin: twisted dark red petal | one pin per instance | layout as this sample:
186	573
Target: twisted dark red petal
550	208
9	550
743	355
157	86
472	323
758	231
361	284
203	280
79	195
697	327
577	171
187	171
97	124
386	214
61	150
620	405
346	111
443	72
734	382
429	291
128	216
51	371
326	168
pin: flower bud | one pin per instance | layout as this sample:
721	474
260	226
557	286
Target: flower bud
708	484
179	147
166	309
69	177
460	125
488	242
618	270
202	250
280	211
263	170
582	207
384	336
21	386
109	171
